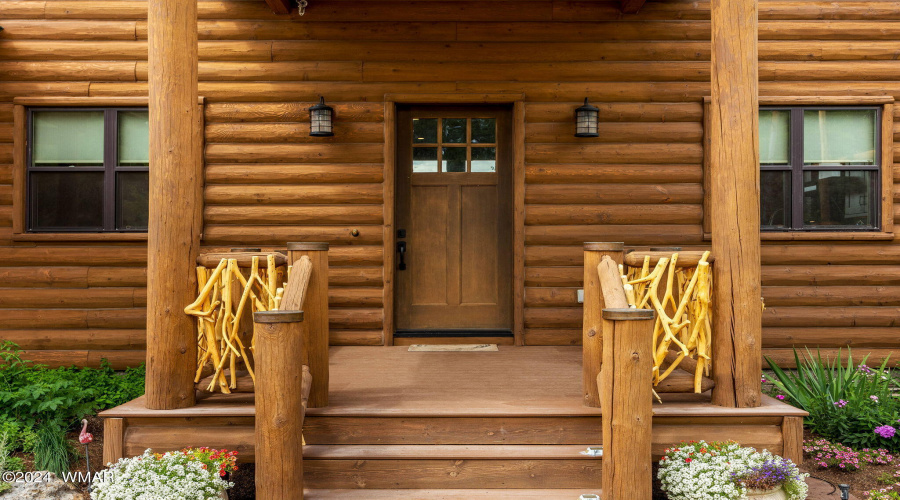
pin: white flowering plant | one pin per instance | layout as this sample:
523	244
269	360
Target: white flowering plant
157	477
698	470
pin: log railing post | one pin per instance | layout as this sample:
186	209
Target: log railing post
592	327
173	232
315	307
627	399
279	405
734	204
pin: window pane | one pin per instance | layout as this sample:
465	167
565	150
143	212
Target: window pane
839	137
454	130
425	130
454	160
775	198
132	200
838	198
774	136
134	140
484	130
484	159
67	138
425	160
67	200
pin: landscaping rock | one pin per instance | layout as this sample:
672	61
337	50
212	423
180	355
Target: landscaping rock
53	488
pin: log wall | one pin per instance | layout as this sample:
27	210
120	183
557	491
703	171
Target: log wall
268	182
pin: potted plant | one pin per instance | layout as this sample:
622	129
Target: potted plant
190	474
774	479
698	470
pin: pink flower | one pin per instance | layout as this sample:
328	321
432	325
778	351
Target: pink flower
885	431
874	398
779	397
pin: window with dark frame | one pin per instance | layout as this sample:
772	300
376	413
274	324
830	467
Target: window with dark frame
820	168
87	169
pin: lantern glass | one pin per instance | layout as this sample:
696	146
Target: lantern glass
587	120
320	120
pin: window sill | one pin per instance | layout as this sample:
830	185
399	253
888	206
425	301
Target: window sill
820	236
80	237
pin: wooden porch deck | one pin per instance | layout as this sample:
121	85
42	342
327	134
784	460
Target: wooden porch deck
510	419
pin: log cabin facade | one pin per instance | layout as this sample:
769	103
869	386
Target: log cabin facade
77	298
454	198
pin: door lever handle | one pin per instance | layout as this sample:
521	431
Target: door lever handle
401	249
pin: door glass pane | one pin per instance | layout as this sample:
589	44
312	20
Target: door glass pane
484	159
425	160
454	160
132	200
775	198
66	200
839	137
774	136
838	198
134	141
425	130
454	130
484	131
67	138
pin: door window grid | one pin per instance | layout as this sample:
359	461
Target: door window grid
437	146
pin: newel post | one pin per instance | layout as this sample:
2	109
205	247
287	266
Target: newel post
627	399
734	204
592	326
316	308
279	405
173	241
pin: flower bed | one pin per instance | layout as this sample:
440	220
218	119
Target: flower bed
190	474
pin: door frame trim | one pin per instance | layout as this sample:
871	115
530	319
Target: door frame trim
391	101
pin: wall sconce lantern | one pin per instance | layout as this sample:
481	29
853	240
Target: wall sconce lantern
587	120
320	120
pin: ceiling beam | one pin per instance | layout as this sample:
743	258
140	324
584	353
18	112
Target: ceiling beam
632	6
282	6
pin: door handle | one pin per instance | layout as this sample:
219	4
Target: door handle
401	249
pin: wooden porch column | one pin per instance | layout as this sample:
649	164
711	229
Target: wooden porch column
734	207
175	198
592	325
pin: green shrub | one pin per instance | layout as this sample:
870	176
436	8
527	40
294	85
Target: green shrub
40	404
851	404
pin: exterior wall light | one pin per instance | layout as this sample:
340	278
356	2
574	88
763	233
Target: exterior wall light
321	120
587	120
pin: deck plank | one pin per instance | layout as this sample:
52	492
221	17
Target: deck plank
535	381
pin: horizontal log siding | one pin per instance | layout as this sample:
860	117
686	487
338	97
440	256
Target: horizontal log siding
268	182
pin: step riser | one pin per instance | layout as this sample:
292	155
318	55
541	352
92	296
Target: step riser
443	473
438	430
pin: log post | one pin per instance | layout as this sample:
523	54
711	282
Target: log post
734	204
592	328
279	405
315	307
627	394
173	241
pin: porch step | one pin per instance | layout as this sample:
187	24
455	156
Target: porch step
457	494
374	467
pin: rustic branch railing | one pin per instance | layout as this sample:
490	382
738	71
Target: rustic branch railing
627	349
288	348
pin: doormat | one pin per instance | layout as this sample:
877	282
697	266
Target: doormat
453	347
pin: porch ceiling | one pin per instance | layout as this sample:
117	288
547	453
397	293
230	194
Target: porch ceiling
286	6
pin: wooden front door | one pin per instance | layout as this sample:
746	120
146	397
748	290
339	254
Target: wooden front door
454	219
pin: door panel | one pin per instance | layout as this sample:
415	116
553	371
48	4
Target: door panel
454	207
